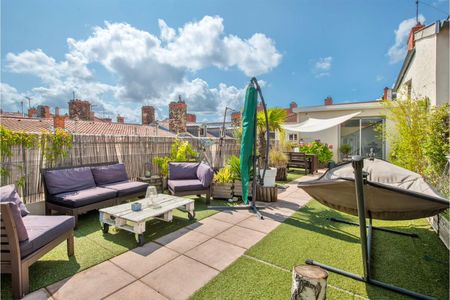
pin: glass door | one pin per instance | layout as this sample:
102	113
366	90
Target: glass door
362	135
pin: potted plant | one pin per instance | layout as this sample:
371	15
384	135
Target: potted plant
345	149
279	160
324	154
235	167
223	184
276	119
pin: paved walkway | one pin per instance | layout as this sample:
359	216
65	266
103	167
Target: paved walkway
178	264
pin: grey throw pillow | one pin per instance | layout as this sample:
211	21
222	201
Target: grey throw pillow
8	193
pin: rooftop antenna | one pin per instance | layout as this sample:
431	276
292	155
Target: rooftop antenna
73	95
29	102
417	11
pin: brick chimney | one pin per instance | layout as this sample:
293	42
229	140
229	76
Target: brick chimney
387	94
43	111
411	41
292	105
236	119
32	112
148	115
59	122
328	101
192	118
81	109
120	119
177	116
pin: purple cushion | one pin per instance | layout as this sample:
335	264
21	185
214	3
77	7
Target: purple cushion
42	230
125	188
22	234
84	197
205	174
109	174
185	185
182	170
68	180
8	193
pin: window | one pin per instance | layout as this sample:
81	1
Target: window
293	137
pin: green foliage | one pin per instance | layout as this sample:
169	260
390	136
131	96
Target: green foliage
345	149
322	151
180	151
420	137
276	117
224	175
235	166
56	145
278	159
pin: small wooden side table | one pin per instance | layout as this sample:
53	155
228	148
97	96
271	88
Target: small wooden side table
155	180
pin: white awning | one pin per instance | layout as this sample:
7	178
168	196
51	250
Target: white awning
313	125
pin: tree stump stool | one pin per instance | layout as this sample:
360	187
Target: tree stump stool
309	283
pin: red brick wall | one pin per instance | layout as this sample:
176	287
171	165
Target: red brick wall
191	118
148	114
80	109
59	122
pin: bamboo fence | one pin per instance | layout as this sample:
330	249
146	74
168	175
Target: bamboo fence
134	151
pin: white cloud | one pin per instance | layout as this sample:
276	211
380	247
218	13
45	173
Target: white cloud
379	78
397	51
322	66
149	68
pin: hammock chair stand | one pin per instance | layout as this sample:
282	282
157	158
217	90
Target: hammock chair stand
366	239
258	179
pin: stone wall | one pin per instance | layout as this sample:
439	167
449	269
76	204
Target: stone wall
177	116
148	115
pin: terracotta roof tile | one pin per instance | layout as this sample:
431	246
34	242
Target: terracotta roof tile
82	127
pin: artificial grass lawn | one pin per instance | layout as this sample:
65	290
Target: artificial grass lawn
419	264
93	247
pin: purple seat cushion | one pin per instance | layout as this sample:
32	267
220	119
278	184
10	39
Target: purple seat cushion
182	170
185	185
83	198
109	174
8	193
205	174
125	188
22	233
68	180
42	230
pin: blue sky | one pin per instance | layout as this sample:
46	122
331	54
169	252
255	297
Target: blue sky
123	54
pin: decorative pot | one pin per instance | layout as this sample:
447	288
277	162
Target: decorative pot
281	174
269	178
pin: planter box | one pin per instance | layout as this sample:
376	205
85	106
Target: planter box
237	189
266	194
222	190
442	228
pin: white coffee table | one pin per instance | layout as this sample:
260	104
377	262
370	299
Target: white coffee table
161	207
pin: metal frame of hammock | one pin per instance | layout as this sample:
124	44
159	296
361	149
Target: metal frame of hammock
366	238
259	179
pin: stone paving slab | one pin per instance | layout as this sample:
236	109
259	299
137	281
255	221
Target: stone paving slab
183	240
136	291
264	226
232	216
216	253
40	294
94	283
142	260
240	236
210	226
180	278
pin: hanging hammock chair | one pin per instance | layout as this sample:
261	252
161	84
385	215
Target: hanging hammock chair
391	192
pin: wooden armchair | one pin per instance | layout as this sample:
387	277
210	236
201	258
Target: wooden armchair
17	257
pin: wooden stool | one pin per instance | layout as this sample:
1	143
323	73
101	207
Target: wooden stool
309	282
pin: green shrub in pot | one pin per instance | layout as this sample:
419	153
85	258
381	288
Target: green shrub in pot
324	154
223	183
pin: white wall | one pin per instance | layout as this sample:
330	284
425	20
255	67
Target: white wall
428	71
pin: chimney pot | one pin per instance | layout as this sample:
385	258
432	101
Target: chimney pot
328	101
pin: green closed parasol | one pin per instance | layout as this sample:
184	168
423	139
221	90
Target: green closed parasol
248	138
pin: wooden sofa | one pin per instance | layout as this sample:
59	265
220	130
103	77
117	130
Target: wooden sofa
77	190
